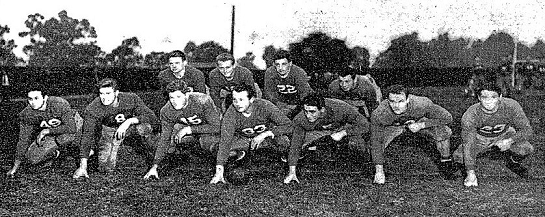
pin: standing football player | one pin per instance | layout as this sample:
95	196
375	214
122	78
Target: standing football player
225	77
325	124
356	90
285	84
180	70
189	118
402	112
495	122
115	116
48	126
250	123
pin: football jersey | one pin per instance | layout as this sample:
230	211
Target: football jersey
290	90
218	82
417	108
96	114
362	90
509	114
264	116
193	77
200	114
58	117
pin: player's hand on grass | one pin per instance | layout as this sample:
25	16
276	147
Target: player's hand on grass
181	134
218	177
291	177
152	173
11	173
80	172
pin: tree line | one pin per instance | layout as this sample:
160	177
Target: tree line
64	41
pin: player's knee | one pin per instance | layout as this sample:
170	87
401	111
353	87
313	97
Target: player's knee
144	129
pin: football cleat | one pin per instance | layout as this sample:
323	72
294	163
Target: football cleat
516	167
471	180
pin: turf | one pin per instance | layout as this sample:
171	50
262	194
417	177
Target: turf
342	188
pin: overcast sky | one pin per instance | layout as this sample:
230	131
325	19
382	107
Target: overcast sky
166	25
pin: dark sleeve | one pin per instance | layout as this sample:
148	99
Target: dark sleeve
370	96
521	124
25	132
358	123
142	112
67	118
469	128
164	142
215	89
302	84
91	125
282	124
270	93
212	118
436	115
227	135
200	85
297	140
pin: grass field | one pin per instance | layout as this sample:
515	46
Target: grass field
413	186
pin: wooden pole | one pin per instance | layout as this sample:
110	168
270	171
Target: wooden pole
233	30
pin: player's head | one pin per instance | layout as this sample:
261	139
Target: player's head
36	95
398	98
108	91
489	93
176	61
226	64
177	94
313	106
243	96
347	77
282	62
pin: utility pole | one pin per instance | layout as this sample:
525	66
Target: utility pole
233	30
514	64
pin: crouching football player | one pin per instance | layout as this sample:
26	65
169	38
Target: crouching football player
188	119
495	122
250	123
48	126
115	116
325	124
402	112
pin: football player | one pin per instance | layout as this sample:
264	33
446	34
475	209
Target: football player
114	116
405	112
225	77
188	118
249	124
356	90
48	126
180	70
285	84
325	124
495	122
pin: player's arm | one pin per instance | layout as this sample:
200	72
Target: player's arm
282	124
521	124
25	131
67	118
369	95
215	89
436	115
143	113
213	119
296	145
162	146
228	126
199	80
357	124
270	91
303	87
